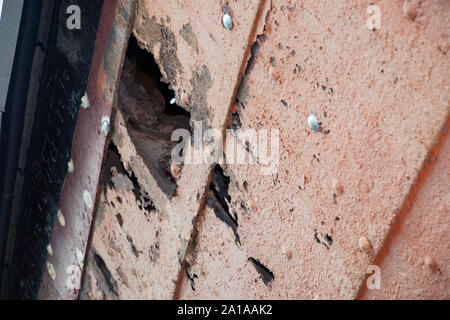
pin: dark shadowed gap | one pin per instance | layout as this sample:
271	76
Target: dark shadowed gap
264	272
145	62
150	117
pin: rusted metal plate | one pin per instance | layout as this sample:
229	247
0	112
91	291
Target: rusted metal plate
317	223
202	61
294	232
59	79
414	262
70	234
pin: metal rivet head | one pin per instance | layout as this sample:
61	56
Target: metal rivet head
85	101
61	218
430	263
105	124
51	270
70	166
288	254
50	249
364	244
337	186
227	21
312	122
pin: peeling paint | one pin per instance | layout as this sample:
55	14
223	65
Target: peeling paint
189	36
201	82
149	33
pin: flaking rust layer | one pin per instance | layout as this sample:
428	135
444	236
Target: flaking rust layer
188	43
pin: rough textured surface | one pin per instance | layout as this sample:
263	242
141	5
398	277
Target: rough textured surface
415	262
310	228
54	100
70	234
197	55
381	98
126	246
204	87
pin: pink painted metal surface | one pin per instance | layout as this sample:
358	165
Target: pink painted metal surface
65	258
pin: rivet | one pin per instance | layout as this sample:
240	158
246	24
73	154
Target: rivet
85	101
337	186
252	205
70	166
429	262
87	199
409	10
274	73
51	270
288	254
312	122
50	249
105	124
175	169
227	21
61	219
364	244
